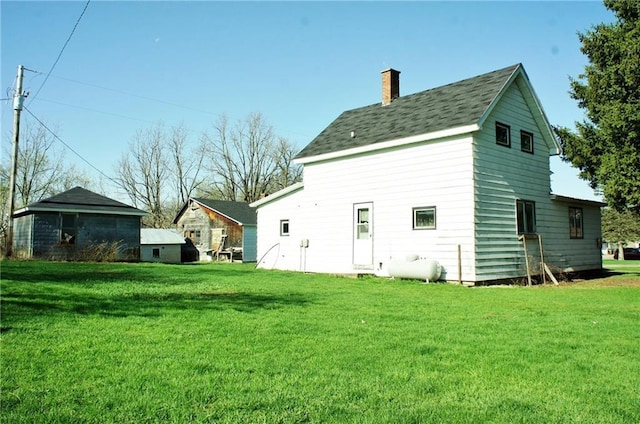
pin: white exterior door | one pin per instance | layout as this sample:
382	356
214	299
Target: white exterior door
363	235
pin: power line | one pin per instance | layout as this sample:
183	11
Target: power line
61	51
96	111
151	99
147	98
69	147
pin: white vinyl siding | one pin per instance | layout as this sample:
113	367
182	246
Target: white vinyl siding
502	176
435	173
275	251
577	254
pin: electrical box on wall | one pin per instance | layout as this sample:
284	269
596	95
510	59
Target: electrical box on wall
304	243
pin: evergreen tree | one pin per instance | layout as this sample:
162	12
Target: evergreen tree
606	145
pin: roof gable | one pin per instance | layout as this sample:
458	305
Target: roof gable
293	188
79	199
239	212
462	105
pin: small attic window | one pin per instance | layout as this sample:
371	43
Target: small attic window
503	134
526	141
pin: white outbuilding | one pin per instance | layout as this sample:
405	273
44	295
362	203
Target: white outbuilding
161	245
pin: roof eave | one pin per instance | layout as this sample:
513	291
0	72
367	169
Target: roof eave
28	209
217	211
451	132
567	199
278	194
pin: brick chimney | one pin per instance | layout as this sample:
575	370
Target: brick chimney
390	86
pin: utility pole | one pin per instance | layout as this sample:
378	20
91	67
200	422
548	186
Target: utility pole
18	100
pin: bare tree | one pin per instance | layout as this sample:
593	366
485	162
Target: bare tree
287	172
248	160
160	171
42	170
187	163
143	172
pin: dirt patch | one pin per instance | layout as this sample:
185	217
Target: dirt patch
614	281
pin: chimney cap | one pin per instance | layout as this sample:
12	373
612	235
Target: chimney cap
389	70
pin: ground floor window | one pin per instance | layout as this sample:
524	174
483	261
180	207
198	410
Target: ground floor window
575	223
526	216
284	227
424	218
156	252
68	228
193	235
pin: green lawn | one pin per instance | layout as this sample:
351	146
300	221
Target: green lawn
143	343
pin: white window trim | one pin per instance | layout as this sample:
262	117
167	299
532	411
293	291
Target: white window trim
284	233
421	209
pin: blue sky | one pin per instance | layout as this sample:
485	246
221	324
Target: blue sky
130	65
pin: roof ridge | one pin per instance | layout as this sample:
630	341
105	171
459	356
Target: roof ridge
439	87
454	105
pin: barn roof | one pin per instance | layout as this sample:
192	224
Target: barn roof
239	212
80	200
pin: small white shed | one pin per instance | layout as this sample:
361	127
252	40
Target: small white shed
160	245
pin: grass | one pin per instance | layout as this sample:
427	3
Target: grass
149	343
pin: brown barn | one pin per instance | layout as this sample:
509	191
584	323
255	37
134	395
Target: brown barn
219	228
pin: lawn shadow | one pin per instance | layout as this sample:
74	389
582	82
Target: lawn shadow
100	273
83	289
19	307
604	273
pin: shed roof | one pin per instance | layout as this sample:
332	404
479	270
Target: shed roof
81	200
160	236
457	105
239	212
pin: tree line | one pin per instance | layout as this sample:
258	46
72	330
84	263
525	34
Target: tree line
162	167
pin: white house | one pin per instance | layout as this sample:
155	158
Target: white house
458	174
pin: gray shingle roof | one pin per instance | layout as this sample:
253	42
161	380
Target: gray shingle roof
453	105
240	212
79	199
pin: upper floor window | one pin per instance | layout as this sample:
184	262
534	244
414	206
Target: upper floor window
526	216
575	223
503	134
284	227
526	141
424	218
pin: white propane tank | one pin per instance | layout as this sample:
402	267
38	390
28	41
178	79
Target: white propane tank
415	268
